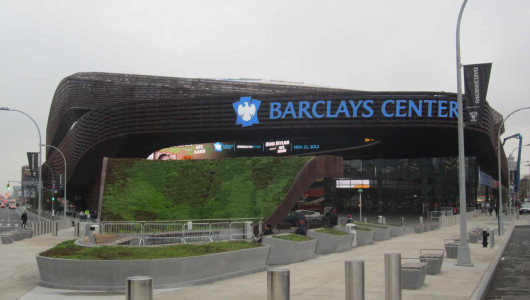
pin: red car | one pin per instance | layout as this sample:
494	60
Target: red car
2	205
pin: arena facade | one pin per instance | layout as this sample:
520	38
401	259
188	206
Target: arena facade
400	146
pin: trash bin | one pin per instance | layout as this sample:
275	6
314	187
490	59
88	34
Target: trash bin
94	229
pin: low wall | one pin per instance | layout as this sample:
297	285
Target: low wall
287	252
328	243
396	230
365	237
111	275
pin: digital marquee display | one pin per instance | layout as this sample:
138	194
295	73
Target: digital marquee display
277	147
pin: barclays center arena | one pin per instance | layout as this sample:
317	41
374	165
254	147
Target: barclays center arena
400	148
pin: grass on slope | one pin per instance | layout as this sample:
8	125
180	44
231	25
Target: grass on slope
69	250
145	190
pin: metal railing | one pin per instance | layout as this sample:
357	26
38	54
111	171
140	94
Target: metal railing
446	221
184	231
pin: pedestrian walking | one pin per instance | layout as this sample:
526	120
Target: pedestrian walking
24	218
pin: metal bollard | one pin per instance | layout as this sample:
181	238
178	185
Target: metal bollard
37	228
55	228
421	221
492	238
354	279
34	229
278	284
76	229
384	220
402	221
392	276
139	288
365	220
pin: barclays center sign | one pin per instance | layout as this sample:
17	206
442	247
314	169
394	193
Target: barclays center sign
247	109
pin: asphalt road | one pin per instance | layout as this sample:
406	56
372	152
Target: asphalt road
512	276
10	218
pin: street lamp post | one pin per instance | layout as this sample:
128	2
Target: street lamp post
64	159
528	180
39	184
509	180
51	170
499	215
464	254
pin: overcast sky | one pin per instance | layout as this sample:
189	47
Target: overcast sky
377	45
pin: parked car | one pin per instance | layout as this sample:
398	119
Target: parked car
12	206
311	216
291	218
525	208
2	205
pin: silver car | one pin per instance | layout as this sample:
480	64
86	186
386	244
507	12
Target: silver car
311	216
525	208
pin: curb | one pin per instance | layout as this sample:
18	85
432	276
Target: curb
483	285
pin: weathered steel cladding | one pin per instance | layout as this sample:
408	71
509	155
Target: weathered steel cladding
94	115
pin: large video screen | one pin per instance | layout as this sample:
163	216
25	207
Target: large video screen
277	147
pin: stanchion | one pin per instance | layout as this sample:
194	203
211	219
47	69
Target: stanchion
278	284
76	229
55	228
139	288
392	276
354	279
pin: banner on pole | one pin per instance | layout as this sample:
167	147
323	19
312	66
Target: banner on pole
476	79
33	159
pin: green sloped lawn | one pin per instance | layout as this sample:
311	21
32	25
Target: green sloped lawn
145	190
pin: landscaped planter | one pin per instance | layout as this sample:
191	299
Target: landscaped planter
365	237
18	235
328	243
111	275
286	252
396	230
7	238
381	233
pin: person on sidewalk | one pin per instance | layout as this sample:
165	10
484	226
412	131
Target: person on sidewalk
350	219
24	218
496	208
301	228
267	231
334	218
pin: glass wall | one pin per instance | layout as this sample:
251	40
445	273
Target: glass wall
406	185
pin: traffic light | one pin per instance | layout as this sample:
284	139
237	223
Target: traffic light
60	192
53	198
8	186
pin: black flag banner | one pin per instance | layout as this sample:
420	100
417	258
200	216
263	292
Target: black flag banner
476	79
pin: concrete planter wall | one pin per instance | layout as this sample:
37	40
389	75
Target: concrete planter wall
328	243
380	234
111	275
285	252
365	237
396	230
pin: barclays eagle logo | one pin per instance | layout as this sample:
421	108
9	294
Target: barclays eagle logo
247	111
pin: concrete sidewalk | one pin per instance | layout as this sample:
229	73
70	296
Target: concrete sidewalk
318	278
19	273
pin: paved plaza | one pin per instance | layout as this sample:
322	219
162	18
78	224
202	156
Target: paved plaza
320	278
